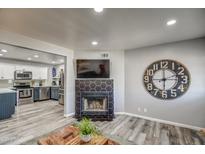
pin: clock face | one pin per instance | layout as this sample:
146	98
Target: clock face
166	79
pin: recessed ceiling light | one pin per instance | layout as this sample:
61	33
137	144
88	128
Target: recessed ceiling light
61	60
53	62
3	50
171	22
94	43
98	10
36	56
29	58
1	54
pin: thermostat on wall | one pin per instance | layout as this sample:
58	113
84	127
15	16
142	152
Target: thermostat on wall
105	55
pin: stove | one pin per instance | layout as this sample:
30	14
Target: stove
24	92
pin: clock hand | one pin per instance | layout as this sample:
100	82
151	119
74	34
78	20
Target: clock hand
157	79
168	78
163	84
163	75
164	79
171	79
171	76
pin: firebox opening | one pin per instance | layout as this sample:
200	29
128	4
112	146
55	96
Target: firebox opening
98	104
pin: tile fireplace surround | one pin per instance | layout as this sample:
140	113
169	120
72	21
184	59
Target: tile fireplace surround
94	99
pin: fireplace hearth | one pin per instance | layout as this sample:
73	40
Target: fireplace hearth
94	99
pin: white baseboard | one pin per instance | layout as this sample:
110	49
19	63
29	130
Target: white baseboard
69	115
151	119
120	113
160	120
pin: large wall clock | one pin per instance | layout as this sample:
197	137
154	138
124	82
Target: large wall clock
166	79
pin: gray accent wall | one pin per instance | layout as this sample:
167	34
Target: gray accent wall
188	109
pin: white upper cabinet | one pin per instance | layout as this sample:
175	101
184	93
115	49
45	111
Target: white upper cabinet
44	73
40	73
35	73
23	67
6	71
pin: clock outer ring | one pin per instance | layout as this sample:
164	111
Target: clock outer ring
169	99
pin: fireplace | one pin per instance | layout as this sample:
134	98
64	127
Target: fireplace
94	99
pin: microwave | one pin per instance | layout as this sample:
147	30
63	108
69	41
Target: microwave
23	75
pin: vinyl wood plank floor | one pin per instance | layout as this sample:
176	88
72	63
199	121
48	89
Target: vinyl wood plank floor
131	130
31	121
35	120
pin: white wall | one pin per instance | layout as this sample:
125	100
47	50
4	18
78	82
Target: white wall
20	40
188	109
116	72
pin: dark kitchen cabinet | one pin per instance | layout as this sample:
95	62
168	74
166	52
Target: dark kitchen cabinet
36	93
54	93
7	105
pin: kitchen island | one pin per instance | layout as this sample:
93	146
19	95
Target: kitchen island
7	103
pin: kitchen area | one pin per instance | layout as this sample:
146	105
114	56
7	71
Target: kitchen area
29	77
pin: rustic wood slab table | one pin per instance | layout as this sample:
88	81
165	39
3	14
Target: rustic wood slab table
69	135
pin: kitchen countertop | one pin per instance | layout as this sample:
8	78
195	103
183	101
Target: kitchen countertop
44	86
39	86
6	90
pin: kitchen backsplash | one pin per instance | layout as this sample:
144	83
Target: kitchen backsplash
9	83
6	83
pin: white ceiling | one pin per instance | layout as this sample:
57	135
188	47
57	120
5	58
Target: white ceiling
114	29
19	53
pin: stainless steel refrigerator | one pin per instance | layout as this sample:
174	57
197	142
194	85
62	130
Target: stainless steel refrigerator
61	87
